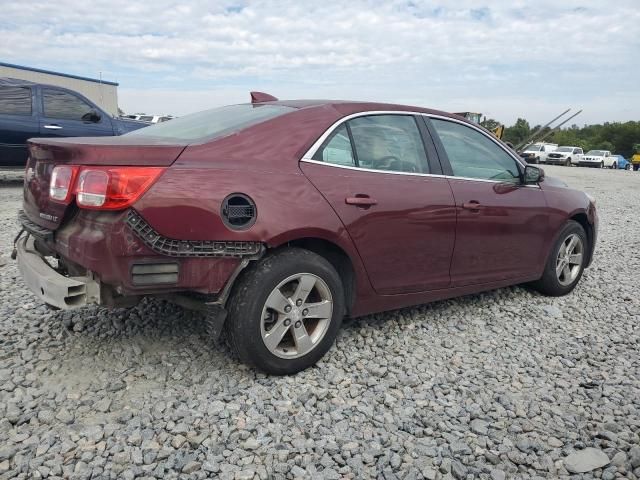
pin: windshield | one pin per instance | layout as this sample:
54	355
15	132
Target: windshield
596	153
212	123
565	149
533	148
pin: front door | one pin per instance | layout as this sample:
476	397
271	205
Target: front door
373	170
67	115
502	224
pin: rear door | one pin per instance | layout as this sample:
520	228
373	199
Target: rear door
18	123
376	172
501	224
66	114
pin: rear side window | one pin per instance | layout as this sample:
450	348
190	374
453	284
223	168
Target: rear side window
64	105
15	101
473	155
337	149
212	123
389	142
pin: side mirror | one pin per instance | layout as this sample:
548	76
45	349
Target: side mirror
533	175
92	116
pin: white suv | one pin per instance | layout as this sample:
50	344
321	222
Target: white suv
537	152
565	156
598	158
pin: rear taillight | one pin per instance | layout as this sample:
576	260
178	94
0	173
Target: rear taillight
61	184
107	188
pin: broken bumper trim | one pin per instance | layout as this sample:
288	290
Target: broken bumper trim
50	286
189	248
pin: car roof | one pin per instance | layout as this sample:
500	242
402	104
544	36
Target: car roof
348	107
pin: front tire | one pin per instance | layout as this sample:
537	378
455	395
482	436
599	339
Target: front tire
567	163
614	166
286	311
601	165
566	262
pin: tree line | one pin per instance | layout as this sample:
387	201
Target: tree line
619	138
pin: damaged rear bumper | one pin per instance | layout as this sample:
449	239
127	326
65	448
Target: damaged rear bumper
50	286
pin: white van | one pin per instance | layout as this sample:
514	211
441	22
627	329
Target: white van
537	152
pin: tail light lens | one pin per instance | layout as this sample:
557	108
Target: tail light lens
104	188
61	184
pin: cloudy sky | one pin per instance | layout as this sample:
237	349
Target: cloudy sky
505	59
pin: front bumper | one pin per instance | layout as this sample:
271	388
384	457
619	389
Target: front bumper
557	161
50	286
589	163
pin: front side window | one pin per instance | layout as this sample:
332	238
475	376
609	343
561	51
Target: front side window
337	149
15	101
389	142
64	105
473	155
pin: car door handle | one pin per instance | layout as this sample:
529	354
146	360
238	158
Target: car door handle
360	201
473	205
53	127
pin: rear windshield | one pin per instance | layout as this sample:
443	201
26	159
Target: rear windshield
212	123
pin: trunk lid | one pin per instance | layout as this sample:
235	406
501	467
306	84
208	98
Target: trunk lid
47	153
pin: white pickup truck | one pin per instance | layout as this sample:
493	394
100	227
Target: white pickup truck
565	156
598	158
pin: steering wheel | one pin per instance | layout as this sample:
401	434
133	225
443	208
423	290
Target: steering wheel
391	162
388	162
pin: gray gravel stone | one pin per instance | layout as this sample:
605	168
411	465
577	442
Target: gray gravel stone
586	460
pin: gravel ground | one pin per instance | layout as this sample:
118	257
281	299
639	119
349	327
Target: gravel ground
506	384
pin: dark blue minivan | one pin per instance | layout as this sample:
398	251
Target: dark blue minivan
30	110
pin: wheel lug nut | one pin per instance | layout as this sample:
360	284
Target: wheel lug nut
298	324
287	309
305	312
298	302
287	322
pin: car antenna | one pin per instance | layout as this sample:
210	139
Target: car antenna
260	97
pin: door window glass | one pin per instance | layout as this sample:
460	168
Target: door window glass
389	142
473	155
59	104
337	149
15	101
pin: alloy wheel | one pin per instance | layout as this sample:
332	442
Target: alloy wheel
296	315
569	259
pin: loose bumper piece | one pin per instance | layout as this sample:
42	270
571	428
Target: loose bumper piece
50	286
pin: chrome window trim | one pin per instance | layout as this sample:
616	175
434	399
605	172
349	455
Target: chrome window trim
308	156
391	172
318	143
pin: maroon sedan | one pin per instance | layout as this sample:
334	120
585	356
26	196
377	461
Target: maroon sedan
289	215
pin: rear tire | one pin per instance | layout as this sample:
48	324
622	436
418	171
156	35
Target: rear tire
277	322
563	269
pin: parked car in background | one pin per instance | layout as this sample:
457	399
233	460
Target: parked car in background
369	207
538	152
36	110
565	156
149	118
621	162
155	118
597	158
